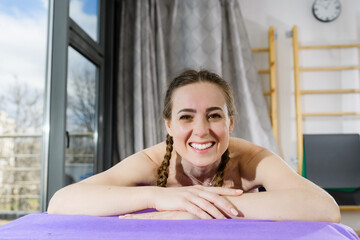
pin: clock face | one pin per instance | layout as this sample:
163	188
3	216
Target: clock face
326	10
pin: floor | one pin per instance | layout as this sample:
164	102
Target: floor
2	222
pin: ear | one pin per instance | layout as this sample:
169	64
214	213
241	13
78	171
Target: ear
231	126
167	125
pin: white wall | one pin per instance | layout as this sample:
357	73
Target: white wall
259	15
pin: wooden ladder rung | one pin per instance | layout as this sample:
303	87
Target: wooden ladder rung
313	69
330	46
263	71
349	208
330	91
260	49
330	114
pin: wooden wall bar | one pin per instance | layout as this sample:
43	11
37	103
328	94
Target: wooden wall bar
272	80
298	92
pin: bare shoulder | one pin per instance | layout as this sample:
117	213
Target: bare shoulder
137	169
247	156
243	150
261	167
156	153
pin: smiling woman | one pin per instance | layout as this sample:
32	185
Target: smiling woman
202	99
199	172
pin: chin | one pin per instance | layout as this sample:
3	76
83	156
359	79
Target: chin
202	162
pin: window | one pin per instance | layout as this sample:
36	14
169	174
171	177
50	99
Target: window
80	117
85	14
23	32
75	145
49	50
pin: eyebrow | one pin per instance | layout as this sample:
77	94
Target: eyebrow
194	111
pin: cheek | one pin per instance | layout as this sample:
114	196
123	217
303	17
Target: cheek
180	137
181	133
223	136
220	129
180	129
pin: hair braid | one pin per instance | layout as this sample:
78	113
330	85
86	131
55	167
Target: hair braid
163	170
221	169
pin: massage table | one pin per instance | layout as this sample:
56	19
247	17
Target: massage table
41	226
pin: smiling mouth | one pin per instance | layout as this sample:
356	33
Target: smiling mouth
204	146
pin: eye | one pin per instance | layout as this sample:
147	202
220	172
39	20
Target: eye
215	116
185	117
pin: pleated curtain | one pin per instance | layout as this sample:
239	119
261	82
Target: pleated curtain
158	39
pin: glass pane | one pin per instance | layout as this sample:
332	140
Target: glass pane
85	14
23	32
80	117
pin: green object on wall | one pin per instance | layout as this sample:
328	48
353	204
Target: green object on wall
303	172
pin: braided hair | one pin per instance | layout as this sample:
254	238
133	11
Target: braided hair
186	78
219	181
163	170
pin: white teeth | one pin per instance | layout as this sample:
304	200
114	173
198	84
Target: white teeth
201	146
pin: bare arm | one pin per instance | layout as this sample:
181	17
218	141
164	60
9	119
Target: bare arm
117	191
111	192
291	204
99	200
288	196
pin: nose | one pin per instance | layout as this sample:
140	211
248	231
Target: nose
201	128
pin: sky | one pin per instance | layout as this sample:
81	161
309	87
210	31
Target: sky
23	7
23	28
84	12
23	40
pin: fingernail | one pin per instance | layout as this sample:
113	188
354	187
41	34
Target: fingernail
239	191
234	212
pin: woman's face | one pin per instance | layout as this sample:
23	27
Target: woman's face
200	125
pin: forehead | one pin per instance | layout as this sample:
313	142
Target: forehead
198	95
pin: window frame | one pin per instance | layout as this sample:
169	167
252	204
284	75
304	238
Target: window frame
62	33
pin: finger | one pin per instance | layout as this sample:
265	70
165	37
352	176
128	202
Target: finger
195	210
221	190
220	202
208	207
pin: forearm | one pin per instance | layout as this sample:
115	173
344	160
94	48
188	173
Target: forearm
100	200
292	204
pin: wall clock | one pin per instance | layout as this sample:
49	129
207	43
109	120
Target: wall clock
326	10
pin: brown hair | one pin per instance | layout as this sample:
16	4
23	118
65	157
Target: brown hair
185	78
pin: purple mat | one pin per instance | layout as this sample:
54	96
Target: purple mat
47	226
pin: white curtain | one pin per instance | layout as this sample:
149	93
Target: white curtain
160	38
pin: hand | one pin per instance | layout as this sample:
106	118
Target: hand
173	215
203	202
